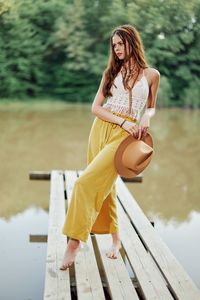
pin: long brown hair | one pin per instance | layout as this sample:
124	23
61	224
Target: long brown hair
136	50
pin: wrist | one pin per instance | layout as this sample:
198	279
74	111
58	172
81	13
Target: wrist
119	120
149	112
122	123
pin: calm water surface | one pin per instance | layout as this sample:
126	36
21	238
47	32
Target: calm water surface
42	136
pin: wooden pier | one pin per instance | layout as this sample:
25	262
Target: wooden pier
146	268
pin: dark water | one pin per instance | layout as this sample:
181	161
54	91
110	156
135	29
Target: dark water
43	136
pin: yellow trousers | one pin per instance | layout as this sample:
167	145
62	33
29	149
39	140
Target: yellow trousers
93	199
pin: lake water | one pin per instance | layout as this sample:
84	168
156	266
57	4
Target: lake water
42	136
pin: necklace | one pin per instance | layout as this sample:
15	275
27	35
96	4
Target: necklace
132	73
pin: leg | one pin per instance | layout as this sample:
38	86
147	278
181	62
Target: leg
106	221
70	253
89	192
116	245
92	188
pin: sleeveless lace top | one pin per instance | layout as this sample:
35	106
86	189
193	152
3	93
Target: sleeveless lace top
119	101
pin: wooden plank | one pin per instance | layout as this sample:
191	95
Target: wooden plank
150	279
45	175
180	284
88	281
37	238
137	178
39	175
120	284
57	283
70	178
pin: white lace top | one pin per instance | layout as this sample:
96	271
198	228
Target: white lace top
119	101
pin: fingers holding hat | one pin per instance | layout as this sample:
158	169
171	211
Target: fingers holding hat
145	131
138	131
130	127
142	131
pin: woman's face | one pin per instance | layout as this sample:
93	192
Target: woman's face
118	46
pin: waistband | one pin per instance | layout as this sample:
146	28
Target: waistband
129	118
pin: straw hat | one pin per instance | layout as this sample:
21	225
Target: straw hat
133	155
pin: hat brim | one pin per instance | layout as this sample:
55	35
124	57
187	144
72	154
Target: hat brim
120	168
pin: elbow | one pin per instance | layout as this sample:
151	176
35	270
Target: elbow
93	109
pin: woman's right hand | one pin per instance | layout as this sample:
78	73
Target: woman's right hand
131	127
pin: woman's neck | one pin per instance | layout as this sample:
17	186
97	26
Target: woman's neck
131	62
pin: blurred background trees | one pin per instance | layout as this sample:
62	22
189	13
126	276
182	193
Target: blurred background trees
59	48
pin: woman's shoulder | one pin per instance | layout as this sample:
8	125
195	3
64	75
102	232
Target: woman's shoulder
152	74
152	71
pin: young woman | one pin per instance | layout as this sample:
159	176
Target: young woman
129	84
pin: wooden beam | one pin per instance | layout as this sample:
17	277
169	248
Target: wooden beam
57	282
39	175
137	178
37	238
46	175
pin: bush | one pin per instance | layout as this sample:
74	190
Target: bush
191	95
164	93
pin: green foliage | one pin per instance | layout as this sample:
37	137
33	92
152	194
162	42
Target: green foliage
59	48
164	93
191	97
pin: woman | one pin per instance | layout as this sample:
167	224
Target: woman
129	84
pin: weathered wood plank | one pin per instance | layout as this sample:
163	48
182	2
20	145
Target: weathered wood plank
45	175
88	281
137	178
57	284
150	279
120	284
178	280
40	175
37	238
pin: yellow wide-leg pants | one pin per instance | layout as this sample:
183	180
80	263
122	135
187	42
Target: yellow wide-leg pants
93	200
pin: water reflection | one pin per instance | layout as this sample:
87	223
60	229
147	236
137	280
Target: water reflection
183	240
43	136
22	263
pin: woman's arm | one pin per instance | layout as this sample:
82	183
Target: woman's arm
101	112
153	91
154	81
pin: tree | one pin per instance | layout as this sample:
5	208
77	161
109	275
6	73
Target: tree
59	48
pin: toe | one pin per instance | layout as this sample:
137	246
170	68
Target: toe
63	267
110	254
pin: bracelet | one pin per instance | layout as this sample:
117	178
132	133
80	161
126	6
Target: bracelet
122	123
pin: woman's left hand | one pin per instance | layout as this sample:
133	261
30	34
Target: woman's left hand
143	126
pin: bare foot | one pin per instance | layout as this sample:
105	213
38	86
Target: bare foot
70	253
116	246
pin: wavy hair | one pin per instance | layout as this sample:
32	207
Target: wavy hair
136	50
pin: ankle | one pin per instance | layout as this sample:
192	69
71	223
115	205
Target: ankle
116	238
117	242
73	243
